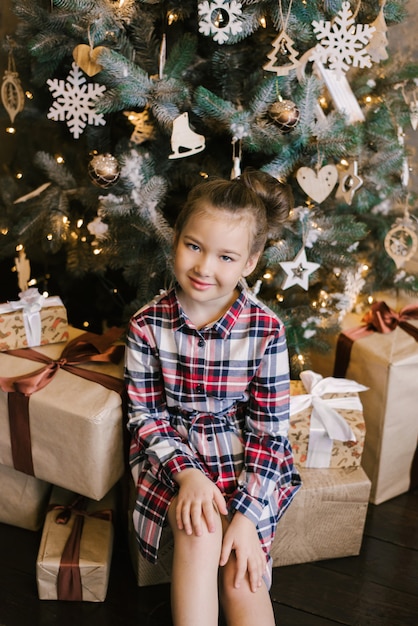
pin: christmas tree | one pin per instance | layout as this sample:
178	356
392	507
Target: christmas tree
131	103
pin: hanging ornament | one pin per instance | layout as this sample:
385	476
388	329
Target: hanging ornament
283	57
184	141
98	228
23	269
12	96
411	100
285	115
220	19
143	127
86	56
405	164
349	182
75	101
343	43
379	41
236	158
317	184
298	270
104	170
401	242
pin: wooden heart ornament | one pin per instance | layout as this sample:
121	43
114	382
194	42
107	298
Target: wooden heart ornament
86	58
317	184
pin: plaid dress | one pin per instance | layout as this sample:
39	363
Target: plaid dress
215	399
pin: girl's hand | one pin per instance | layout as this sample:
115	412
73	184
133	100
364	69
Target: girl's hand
197	500
242	537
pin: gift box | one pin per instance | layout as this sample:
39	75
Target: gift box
76	547
326	519
326	421
384	357
33	320
146	573
23	499
61	412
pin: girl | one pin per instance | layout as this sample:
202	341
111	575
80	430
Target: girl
208	383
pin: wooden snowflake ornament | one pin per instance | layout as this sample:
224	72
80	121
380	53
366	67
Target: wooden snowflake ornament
220	19
75	101
342	42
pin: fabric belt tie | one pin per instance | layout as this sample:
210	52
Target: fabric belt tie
87	348
380	319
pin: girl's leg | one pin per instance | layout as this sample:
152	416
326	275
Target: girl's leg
243	607
194	580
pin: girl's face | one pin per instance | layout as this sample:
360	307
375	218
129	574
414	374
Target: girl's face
212	253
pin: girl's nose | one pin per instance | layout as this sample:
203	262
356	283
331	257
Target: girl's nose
204	266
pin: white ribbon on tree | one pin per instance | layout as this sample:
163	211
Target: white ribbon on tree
31	302
326	423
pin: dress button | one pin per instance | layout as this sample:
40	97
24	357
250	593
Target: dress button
201	343
199	388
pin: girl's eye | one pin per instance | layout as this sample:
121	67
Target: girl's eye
193	246
226	258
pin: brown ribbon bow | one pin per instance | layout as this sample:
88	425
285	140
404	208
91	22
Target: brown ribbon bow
69	585
380	319
87	348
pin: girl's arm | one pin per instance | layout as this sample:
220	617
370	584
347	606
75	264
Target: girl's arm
268	459
152	434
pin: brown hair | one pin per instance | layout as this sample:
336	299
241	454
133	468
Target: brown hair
254	194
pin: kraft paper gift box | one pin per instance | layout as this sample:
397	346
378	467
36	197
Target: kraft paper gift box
76	548
23	499
326	421
387	363
33	320
326	519
69	432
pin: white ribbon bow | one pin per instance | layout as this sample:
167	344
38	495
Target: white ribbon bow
326	424
31	302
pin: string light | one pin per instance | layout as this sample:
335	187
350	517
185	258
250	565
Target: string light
59	159
263	22
267	276
11	130
80	223
19	175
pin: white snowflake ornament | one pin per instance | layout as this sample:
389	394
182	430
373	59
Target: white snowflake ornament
75	101
220	19
342	42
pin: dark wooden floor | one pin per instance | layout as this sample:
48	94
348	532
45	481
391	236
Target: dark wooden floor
377	588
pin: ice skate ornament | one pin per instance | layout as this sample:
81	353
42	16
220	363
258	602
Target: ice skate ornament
343	43
184	141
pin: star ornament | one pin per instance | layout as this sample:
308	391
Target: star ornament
349	183
298	271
